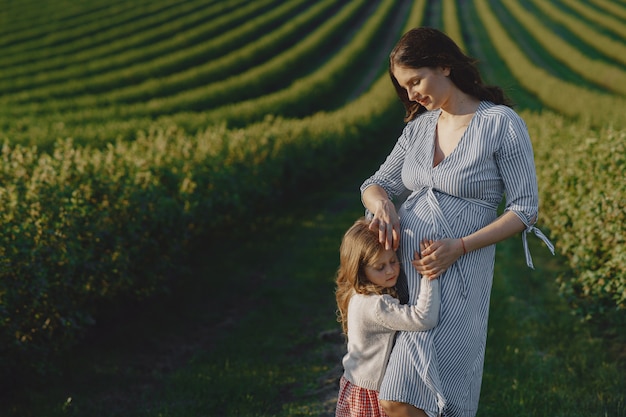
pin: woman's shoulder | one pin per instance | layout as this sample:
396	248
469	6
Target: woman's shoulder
499	116
422	120
425	116
489	109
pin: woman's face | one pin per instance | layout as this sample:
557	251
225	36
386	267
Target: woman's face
429	87
384	270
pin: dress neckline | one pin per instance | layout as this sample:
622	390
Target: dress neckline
458	144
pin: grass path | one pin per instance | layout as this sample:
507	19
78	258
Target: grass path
249	331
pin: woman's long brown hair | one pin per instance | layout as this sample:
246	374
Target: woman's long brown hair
429	47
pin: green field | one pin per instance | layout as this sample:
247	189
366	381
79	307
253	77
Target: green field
144	141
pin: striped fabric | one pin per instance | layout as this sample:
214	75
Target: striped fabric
440	371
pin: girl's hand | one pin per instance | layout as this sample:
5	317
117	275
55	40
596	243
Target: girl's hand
436	256
387	223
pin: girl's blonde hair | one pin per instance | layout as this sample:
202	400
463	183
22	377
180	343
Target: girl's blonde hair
359	247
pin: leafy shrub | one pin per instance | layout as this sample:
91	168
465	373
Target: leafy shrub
583	196
86	226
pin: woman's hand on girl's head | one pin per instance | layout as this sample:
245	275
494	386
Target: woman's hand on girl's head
387	223
436	256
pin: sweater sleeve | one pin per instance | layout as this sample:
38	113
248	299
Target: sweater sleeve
422	316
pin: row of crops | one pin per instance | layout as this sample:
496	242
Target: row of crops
131	129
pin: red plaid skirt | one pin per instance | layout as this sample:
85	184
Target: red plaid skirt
355	401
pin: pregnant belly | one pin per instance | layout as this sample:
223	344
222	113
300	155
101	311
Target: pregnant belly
444	216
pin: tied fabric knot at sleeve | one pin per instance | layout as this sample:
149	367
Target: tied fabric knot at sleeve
540	235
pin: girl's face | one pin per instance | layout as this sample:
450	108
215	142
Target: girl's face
384	270
429	87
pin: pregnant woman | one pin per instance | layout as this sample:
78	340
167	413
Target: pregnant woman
463	148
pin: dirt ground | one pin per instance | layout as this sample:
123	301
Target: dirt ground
328	384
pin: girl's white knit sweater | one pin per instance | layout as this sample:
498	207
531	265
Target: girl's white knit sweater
372	323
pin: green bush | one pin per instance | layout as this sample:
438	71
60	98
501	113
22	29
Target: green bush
87	227
583	195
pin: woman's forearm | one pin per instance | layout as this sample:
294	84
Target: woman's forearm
373	197
505	226
437	256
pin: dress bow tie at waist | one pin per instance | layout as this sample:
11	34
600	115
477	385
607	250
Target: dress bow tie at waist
443	229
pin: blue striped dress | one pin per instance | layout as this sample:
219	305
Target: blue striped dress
440	371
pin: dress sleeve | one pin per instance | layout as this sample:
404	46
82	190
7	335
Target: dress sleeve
389	175
422	316
517	167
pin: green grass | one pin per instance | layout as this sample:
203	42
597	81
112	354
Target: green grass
541	360
534	50
239	335
492	67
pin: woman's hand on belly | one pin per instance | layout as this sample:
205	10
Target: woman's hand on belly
436	256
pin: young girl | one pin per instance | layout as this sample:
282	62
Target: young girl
371	313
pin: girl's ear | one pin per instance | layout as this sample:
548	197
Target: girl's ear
445	71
